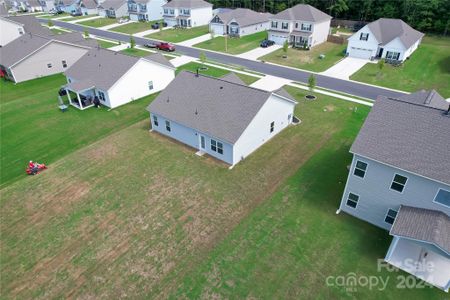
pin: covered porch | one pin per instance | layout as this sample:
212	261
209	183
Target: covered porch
184	21
300	39
421	245
80	94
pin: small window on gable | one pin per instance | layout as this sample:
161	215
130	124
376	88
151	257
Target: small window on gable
150	85
49	66
155	120
443	197
352	200
398	183
272	127
360	169
168	126
64	64
390	216
364	36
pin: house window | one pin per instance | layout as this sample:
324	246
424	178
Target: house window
219	148
390	216
296	25
442	197
64	64
166	11
306	27
49	66
392	55
360	169
274	24
213	145
272	127
150	85
352	200
101	96
172	11
21	31
216	146
168	126
155	121
284	25
364	36
398	183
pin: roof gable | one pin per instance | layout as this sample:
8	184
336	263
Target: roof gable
244	17
386	30
187	4
302	12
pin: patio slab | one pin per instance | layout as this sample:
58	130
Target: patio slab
258	52
346	67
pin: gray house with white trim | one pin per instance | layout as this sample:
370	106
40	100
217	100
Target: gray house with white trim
221	117
400	180
239	22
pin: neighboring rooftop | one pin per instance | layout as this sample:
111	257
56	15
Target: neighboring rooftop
386	30
187	4
214	106
112	4
89	4
23	46
409	134
424	225
302	12
30	24
244	16
102	68
233	78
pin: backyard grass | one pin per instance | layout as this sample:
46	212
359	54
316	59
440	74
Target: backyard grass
215	72
136	52
427	68
308	60
134	27
176	35
100	22
107	44
32	127
234	45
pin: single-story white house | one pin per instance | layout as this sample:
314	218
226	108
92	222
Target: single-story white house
116	78
391	39
221	117
89	7
32	56
239	22
14	27
113	9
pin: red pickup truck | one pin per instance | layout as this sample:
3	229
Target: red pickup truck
165	47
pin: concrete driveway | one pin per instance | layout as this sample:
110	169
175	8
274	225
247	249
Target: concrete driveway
346	67
258	52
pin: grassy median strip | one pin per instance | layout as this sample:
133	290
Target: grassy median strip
234	45
176	35
100	22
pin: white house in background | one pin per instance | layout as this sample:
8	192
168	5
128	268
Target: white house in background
239	22
14	27
34	6
68	6
116	78
146	10
89	7
113	9
31	56
400	181
48	5
300	25
187	13
221	117
392	39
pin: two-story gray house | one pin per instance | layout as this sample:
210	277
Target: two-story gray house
146	10
399	180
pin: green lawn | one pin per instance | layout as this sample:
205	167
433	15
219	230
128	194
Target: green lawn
58	31
427	68
234	45
98	22
78	18
107	44
136	52
32	127
308	59
216	72
178	35
54	16
134	27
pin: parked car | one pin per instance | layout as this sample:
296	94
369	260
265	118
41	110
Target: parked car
76	14
165	47
156	25
122	20
150	45
267	43
56	12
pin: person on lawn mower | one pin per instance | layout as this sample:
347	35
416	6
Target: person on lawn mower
34	167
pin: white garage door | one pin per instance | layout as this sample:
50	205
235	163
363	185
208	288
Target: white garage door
218	29
278	39
359	52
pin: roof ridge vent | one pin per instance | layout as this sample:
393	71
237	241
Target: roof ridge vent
429	97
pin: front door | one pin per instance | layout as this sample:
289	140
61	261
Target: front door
380	52
202	142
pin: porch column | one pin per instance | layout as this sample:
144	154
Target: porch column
68	96
79	100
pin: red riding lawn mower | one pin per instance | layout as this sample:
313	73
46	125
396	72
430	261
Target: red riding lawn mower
35	168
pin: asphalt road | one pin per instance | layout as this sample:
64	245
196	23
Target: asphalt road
331	83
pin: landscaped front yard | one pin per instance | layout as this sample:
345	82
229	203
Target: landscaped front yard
79	18
234	45
100	22
136	52
58	31
107	44
308	59
427	68
134	27
176	35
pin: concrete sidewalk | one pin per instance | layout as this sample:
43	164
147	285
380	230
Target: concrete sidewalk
270	83
84	19
258	52
346	67
196	40
182	60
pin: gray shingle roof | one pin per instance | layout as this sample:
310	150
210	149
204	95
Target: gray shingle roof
386	30
302	12
282	92
160	59
28	43
210	105
233	78
428	98
410	136
244	16
187	4
112	4
426	225
89	4
30	24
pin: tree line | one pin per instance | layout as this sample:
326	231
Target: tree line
424	15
